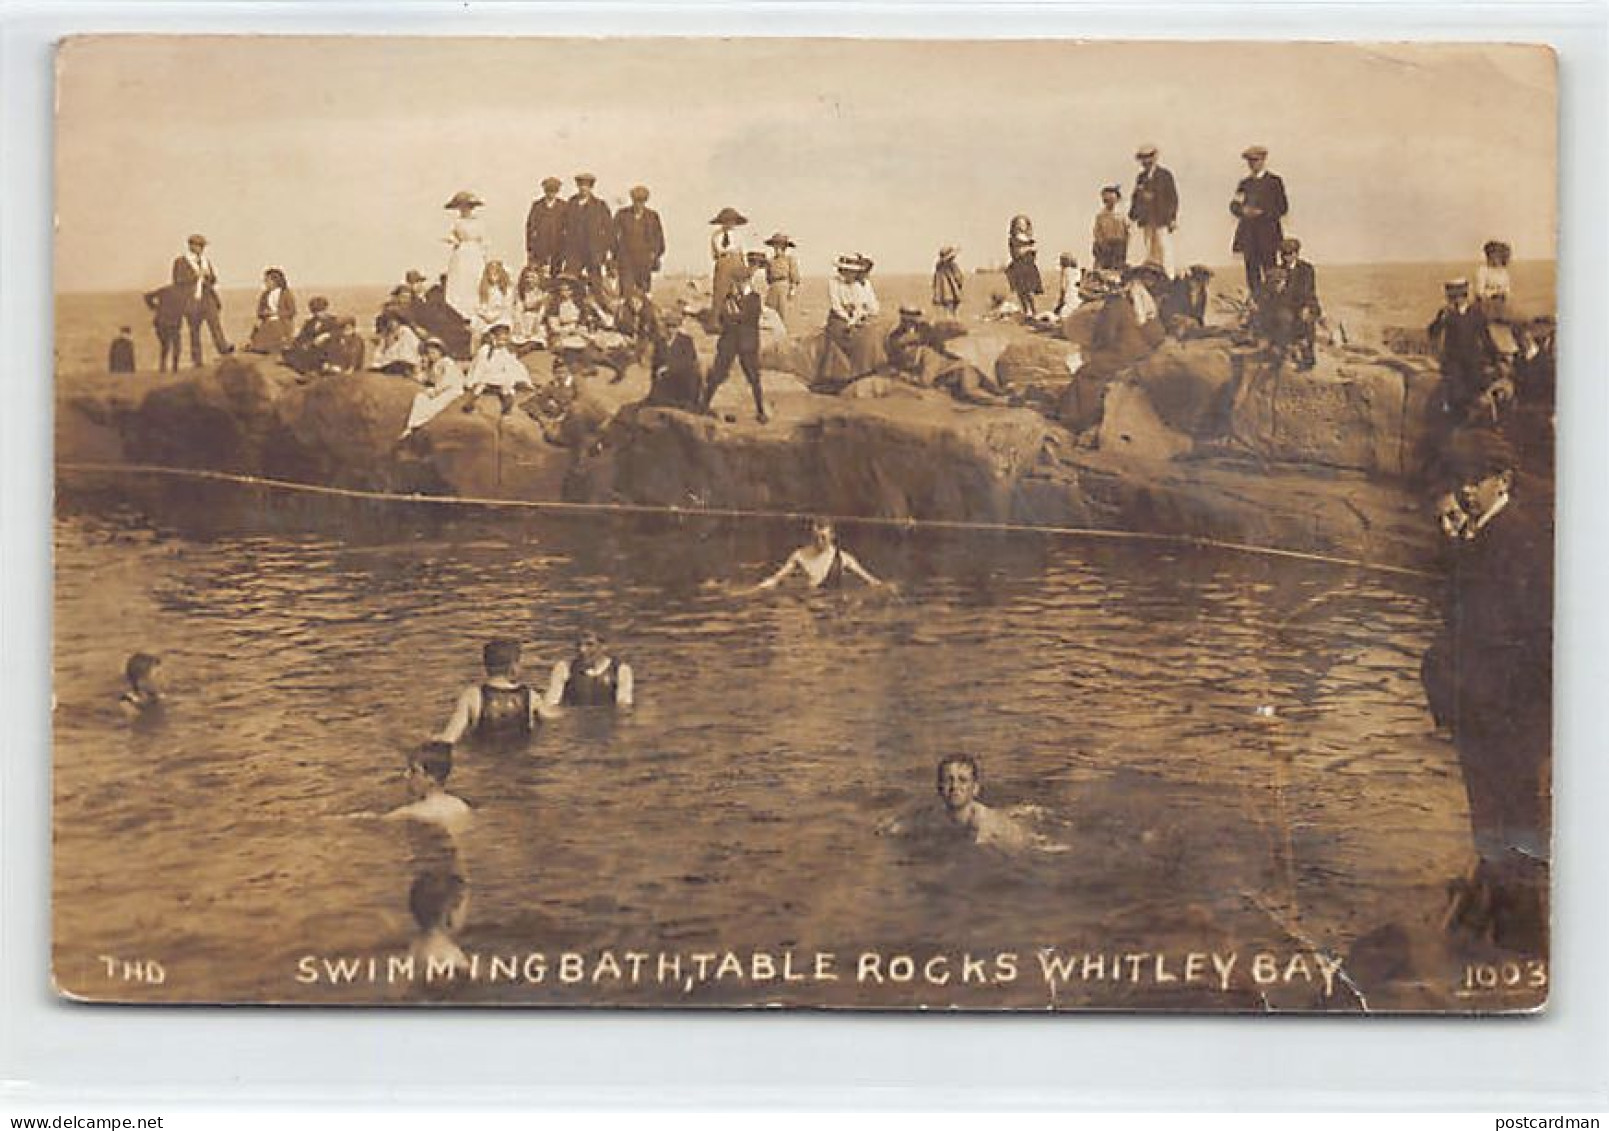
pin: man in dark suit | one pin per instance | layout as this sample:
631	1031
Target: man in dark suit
589	235
544	229
1154	208
198	283
1259	205
639	244
1302	295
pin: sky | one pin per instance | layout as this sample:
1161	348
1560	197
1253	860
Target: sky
332	158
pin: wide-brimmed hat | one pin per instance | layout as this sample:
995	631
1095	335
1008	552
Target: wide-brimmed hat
414	276
1456	286
1254	151
948	251
585	179
863	262
464	199
729	215
1116	190
846	263
780	239
912	312
552	184
1146	150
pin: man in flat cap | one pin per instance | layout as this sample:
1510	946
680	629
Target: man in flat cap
1259	205
197	283
1154	209
639	245
544	229
589	235
1488	679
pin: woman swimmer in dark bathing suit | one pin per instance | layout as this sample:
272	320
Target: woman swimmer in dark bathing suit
824	563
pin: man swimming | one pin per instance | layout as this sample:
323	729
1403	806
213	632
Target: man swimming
439	902
143	699
591	678
959	781
824	563
427	785
500	707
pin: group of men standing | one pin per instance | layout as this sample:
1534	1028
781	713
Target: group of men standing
1259	207
581	237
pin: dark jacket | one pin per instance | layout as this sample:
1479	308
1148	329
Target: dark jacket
678	382
740	319
544	229
1260	234
184	277
639	240
167	304
589	233
1302	287
1155	203
1461	338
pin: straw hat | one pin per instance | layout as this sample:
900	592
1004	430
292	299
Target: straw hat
731	216
780	239
464	199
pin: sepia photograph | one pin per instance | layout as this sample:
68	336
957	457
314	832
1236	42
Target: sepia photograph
991	525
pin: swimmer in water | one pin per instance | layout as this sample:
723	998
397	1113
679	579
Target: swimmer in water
427	785
500	707
439	902
143	699
959	781
590	678
824	563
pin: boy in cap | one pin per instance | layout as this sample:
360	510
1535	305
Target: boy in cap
545	227
1111	235
1259	205
739	340
1464	347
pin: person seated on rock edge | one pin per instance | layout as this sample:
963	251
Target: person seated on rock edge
306	352
443	384
429	802
500	707
344	351
739	338
567	327
823	562
849	340
1000	309
120	354
916	352
1302	297
959	780
439	903
677	380
592	677
497	369
1183	305
397	351
143	699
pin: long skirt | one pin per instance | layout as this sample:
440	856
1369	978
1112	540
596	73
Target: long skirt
270	335
776	297
729	268
429	404
847	354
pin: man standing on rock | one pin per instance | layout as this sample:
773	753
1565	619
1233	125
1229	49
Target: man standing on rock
197	282
1259	205
544	229
1155	209
589	236
639	245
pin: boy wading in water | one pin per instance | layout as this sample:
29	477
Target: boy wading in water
426	776
143	699
500	708
592	677
824	563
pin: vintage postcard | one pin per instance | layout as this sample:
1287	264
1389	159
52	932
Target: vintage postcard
1008	525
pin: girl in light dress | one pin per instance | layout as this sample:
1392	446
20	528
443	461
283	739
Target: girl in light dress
466	263
530	302
443	383
494	301
1023	271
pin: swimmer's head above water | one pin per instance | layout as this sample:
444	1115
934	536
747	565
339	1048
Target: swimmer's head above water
822	533
958	781
501	657
430	767
590	646
141	672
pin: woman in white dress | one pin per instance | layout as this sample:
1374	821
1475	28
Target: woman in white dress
467	261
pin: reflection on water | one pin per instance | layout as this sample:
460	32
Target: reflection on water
1213	734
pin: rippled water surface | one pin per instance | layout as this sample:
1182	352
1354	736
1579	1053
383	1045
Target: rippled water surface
1234	749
